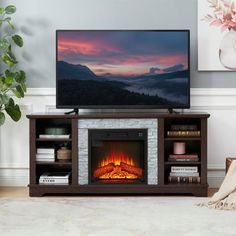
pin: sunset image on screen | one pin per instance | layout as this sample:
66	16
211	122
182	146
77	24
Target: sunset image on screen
128	67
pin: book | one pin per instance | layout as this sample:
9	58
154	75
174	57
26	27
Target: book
56	175
183	159
184	173
183	133
64	136
54	178
192	155
182	169
44	155
53	181
46	150
183	127
45	160
184	179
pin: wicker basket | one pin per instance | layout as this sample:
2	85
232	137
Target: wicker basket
64	154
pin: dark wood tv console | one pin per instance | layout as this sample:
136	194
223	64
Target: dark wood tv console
194	144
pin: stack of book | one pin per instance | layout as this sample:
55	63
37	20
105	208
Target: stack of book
55	136
55	178
184	174
183	131
183	157
45	154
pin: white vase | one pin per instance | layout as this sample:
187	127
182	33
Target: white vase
227	50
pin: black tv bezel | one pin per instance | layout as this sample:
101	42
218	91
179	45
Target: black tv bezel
124	106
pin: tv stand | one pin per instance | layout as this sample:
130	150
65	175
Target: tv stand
75	110
171	111
165	122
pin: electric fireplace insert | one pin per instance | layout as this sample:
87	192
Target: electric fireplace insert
118	156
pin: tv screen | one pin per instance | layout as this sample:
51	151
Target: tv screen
122	69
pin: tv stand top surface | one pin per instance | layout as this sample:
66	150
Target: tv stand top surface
118	115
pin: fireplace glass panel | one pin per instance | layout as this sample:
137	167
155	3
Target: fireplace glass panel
117	161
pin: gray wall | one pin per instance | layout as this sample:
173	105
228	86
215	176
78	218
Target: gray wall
37	21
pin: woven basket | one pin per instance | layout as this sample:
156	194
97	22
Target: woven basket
64	154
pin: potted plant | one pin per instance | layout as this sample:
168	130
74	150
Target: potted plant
12	79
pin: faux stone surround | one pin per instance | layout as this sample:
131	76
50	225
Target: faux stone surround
149	124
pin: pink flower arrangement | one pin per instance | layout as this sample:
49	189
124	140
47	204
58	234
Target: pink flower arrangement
224	14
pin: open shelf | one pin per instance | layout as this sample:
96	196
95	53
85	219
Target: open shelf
193	145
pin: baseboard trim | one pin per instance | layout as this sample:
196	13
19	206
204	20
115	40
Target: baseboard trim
14	181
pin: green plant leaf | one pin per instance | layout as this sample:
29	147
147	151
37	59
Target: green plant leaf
17	40
10	9
2	118
17	94
20	90
10	24
9	81
9	73
23	85
11	102
7	19
2	10
10	53
13	110
4	44
9	59
4	99
20	77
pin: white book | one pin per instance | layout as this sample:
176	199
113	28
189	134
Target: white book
54	136
45	151
184	169
56	175
53	181
46	156
192	174
44	159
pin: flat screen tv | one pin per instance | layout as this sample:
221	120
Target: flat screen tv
122	69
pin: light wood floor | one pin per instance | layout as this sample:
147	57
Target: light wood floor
24	192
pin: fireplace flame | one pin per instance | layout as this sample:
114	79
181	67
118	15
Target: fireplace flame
118	166
116	158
